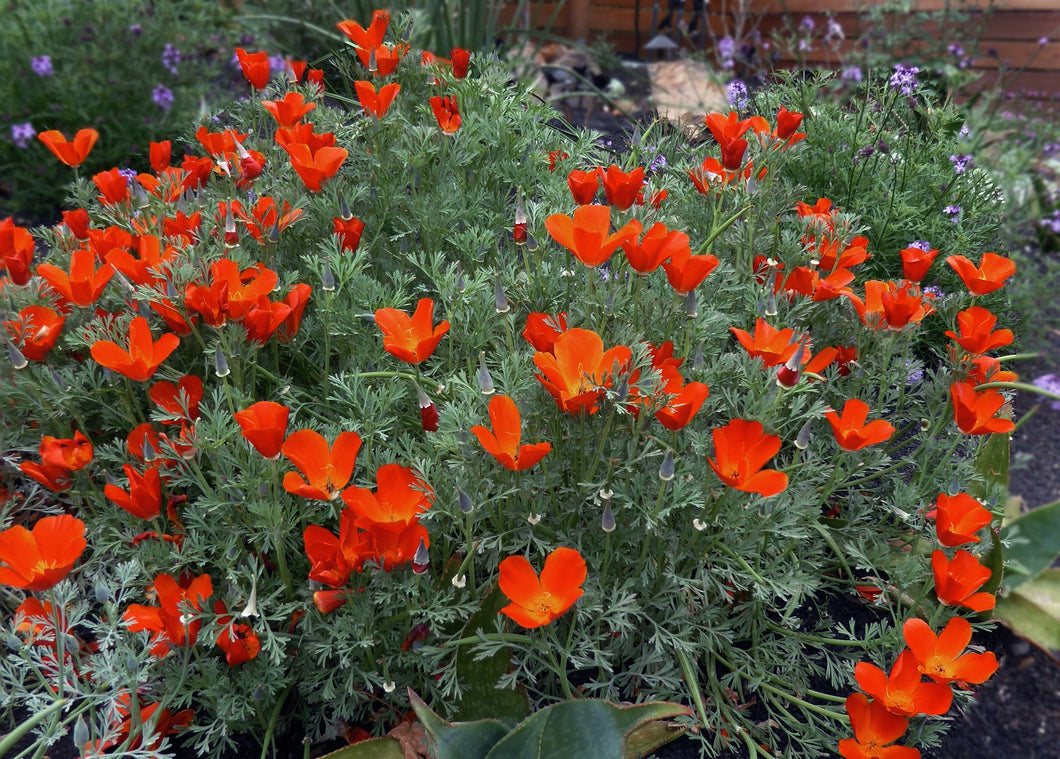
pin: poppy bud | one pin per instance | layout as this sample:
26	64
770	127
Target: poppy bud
485	381
666	468
220	363
788	375
607	519
428	411
344	208
465	502
274	233
327	279
421	559
459	581
500	300
81	734
691	307
231	233
802	440
373	64
16	357
102	593
519	229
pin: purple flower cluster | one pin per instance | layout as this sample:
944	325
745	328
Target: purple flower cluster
21	134
171	56
737	93
129	174
162	96
904	78
953	211
851	74
835	31
923	245
42	65
726	52
961	162
1050	383
1052	223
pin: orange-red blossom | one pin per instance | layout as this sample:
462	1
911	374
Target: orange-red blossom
171	622
411	338
991	273
958	579
585	234
139	361
958	518
71	152
942	657
36	560
904	691
850	429
742	448
875	729
326	469
535	601
577	371
503	441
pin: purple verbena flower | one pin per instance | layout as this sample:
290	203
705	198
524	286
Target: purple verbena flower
736	93
726	52
136	30
1050	383
1043	41
961	162
956	50
162	96
171	56
835	31
923	245
904	78
806	24
953	211
42	65
129	174
22	134
851	74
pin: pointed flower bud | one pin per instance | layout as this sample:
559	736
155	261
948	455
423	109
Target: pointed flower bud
788	375
428	411
802	440
691	307
421	559
16	357
220	363
519	228
465	502
485	381
500	300
327	279
666	468
344	208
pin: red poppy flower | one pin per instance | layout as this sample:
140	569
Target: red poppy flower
988	276
577	371
239	641
983	369
366	40
904	692
290	110
296	300
255	67
84	284
35	331
874	729
328	601
143	356
727	132
144	497
264	425
160	155
535	601
38	560
174	622
411	338
683	402
55	478
787	124
150	261
393	544
586	234
266	218
916	262
829	257
583	185
315	166
974	411
401	495
890	305
447	113
657	245
850	429
349	232
958	518
376	103
384	59
711	173
460	59
942	657
333	558
958	579
771	345
742	448
164	723
16	251
71	152
77	221
554	158
73	453
621	188
977	334
180	400
502	442
685	272
542	330
327	469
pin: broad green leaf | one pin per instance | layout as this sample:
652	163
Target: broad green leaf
993	462
994	560
375	748
1034	544
646	738
1033	609
465	740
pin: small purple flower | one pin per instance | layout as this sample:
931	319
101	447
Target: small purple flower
805	46
923	245
953	211
806	24
1043	41
835	31
915	373
1050	383
965	131
21	134
736	93
961	163
129	174
277	63
162	96
171	56
726	52
136	30
1052	223
851	74
42	65
934	290
956	50
904	78
658	163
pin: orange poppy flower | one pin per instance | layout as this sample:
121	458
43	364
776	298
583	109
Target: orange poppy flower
35	331
958	579
290	110
537	601
977	334
166	723
411	338
502	442
392	544
460	59
263	319
143	356
711	174
621	188
904	691
787	124
585	235
144	497
941	657
77	222
349	232
146	267
890	305
113	186
328	601
657	245
160	155
988	276
850	429
829	257
447	113
239	642
583	185
983	369
71	152
974	411
874	729
376	103
327	469
264	425
771	345
55	478
916	262
685	272
296	300
304	134
315	166
366	40
73	453
38	560
958	518
400	495
384	59
742	448
84	284
727	132
16	251
577	371
542	330
333	558
255	67
173	622
683	402
180	400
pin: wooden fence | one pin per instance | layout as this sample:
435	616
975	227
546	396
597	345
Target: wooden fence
1019	40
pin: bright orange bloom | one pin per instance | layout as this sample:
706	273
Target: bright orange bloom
160	155
16	251
537	601
290	110
874	729
392	544
904	691
263	319
583	185
166	723
977	334
771	345
830	257
328	601
296	300
916	262
38	560
333	558
71	152
988	276
974	411
711	174
941	658
685	272
264	425
255	67
77	222
657	245
35	331
327	469
958	579
850	429
985	369
621	188
265	218
73	453
411	338
447	113
890	305
147	266
958	518
366	40
239	642
84	284
728	131
376	103
144	497
170	621
742	448
315	166
386	58
143	355
400	495
683	400
542	330
787	124
502	442
113	186
460	60
180	400
585	235
349	232
55	478
304	134
577	371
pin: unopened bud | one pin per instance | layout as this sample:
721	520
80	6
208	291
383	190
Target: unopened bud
500	300
81	735
769	304
220	363
344	208
691	307
421	559
147	450
16	357
788	375
485	381
327	279
373	65
519	228
666	468
274	233
464	500
231	233
428	411
607	519
102	592
802	440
